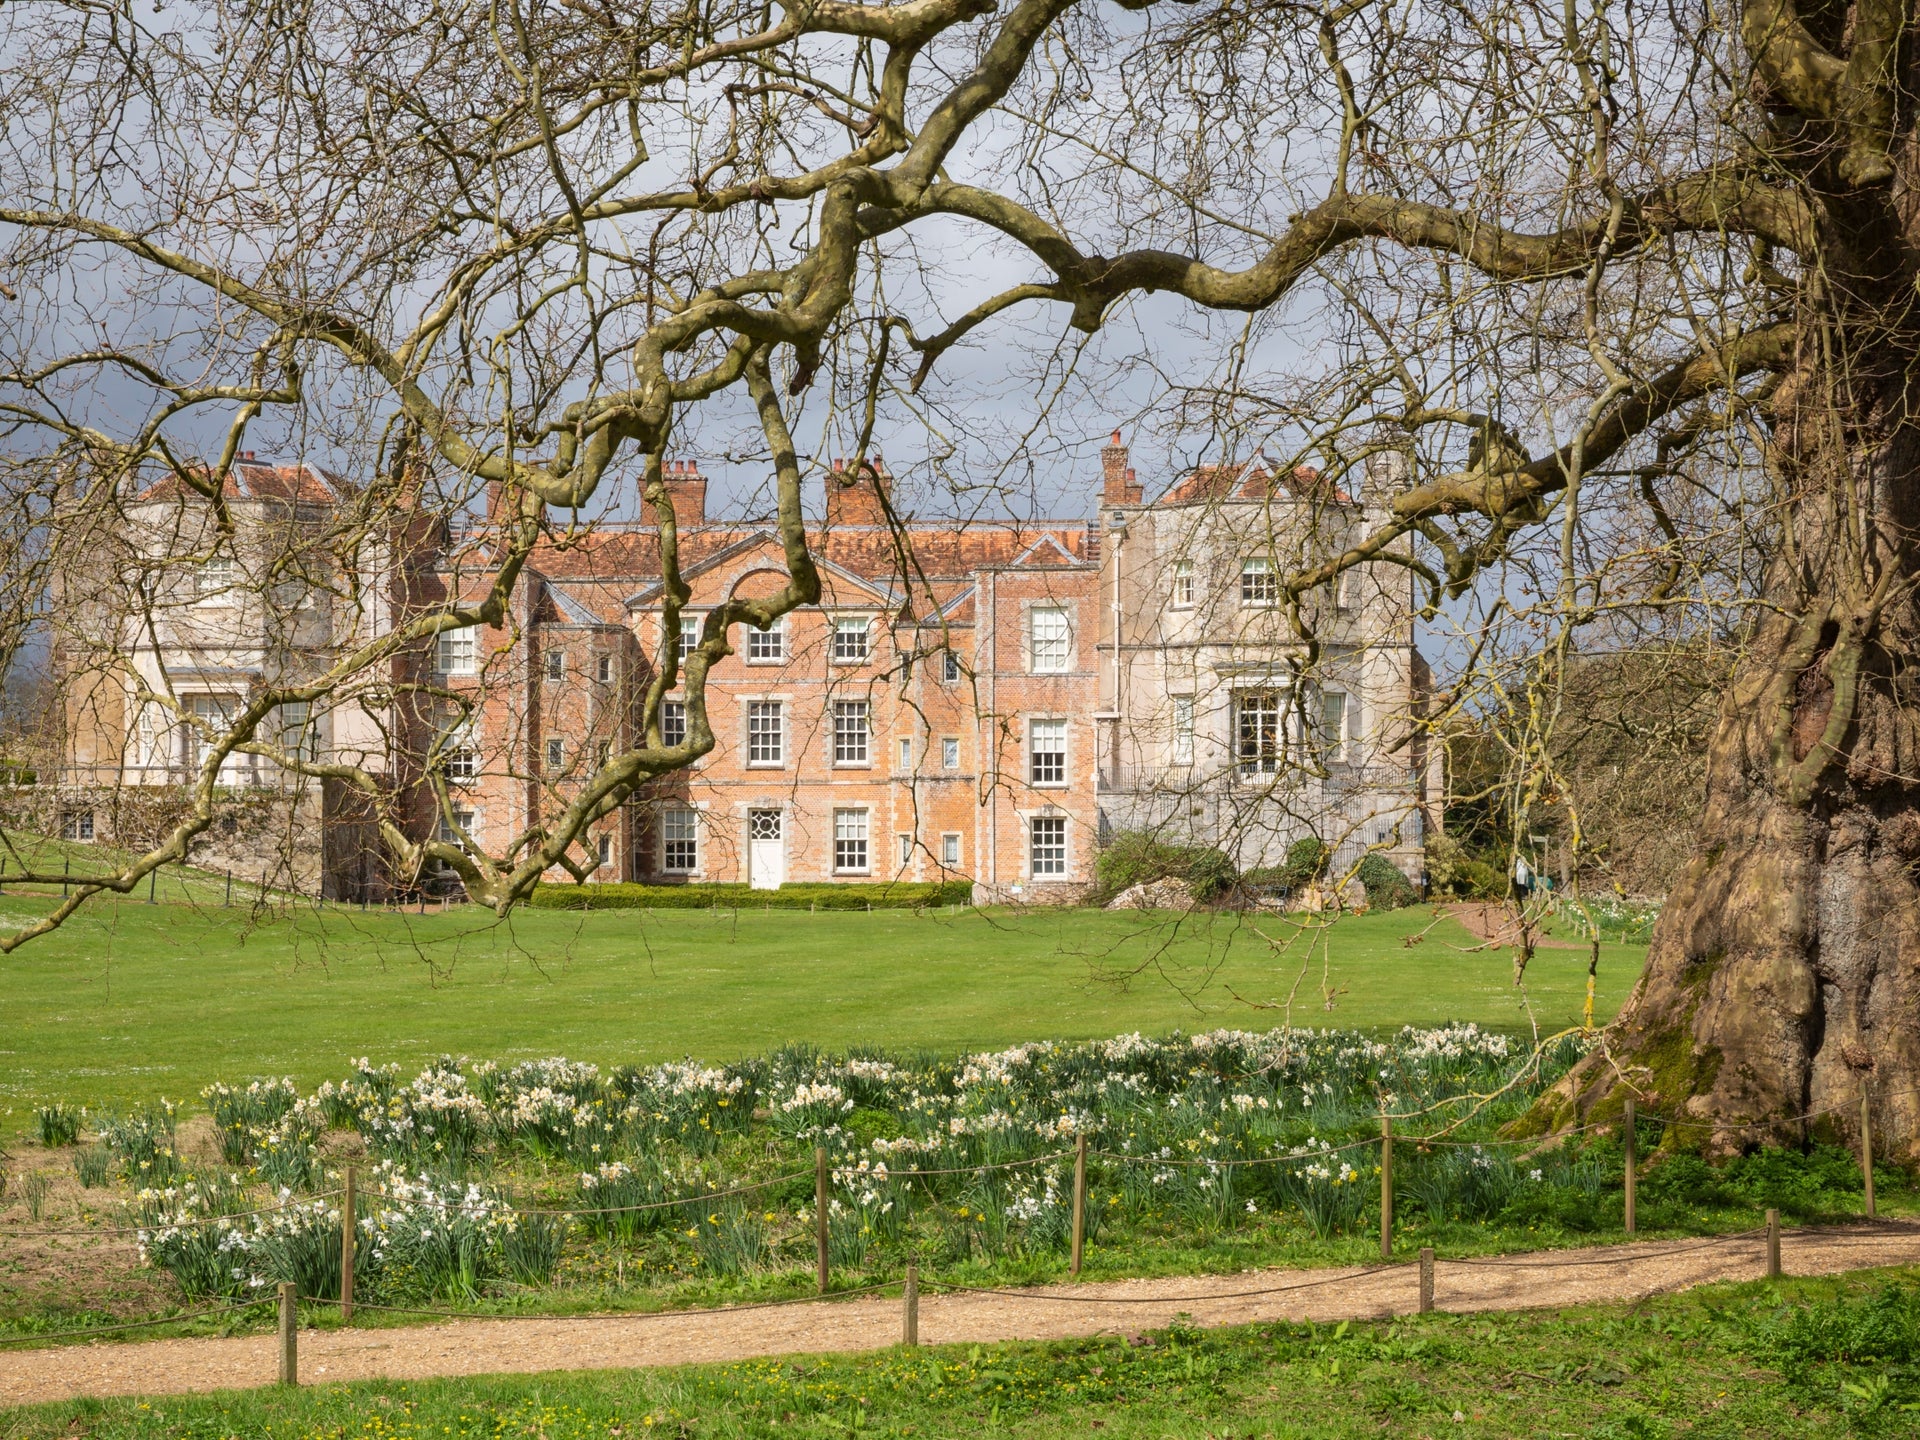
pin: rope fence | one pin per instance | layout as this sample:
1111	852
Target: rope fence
911	1287
1081	1153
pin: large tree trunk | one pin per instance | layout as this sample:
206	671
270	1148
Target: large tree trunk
1784	973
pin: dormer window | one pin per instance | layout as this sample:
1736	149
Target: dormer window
1259	585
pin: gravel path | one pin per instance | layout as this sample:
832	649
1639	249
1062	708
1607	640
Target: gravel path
1495	923
474	1347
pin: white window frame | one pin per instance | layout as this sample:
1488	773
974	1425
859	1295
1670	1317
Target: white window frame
852	742
1181	747
768	646
214	711
1259	752
1331	723
1056	864
555	664
1053	654
1259	583
213	580
299	731
76	826
949	752
950	671
456	652
950	851
556	754
679	840
603	669
1182	597
905	748
852	845
1053	731
846	628
906	848
769	740
469	823
603	852
673	722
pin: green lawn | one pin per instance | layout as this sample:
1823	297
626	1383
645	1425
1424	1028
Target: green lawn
1800	1358
130	1001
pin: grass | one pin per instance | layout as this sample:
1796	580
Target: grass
131	1001
1812	1358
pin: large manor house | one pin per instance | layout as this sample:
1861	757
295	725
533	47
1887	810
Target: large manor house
990	700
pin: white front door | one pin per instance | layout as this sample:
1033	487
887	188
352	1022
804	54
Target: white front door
766	851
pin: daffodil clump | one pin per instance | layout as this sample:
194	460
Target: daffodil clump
692	1170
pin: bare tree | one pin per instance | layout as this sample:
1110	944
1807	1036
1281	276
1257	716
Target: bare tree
1627	288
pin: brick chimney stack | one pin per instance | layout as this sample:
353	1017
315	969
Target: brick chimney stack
858	503
1118	484
686	491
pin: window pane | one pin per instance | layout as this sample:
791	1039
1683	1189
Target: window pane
850	840
556	664
950	667
1258	584
1050	645
216	575
1333	722
455	652
850	639
949	753
949	850
1183	729
849	732
1183	583
1257	732
679	840
606	668
556	754
906	756
906	850
769	644
766	733
1048	838
689	637
673	722
1047	752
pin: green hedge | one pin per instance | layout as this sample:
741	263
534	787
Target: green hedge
902	896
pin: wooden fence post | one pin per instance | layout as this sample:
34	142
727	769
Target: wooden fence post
910	1319
1386	1186
348	1222
1079	1203
153	883
820	1213
66	871
1866	1146
1628	1140
229	900
1426	1279
289	1333
1773	1244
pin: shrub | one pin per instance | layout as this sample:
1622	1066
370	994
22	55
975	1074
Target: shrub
1452	871
901	896
1882	1328
1134	857
1387	888
1307	860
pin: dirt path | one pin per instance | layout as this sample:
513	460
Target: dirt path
1491	921
474	1347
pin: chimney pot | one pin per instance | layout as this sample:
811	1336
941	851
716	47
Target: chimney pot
1117	483
246	454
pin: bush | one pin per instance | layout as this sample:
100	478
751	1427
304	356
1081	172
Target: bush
1452	871
1134	857
1307	860
902	896
1387	888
